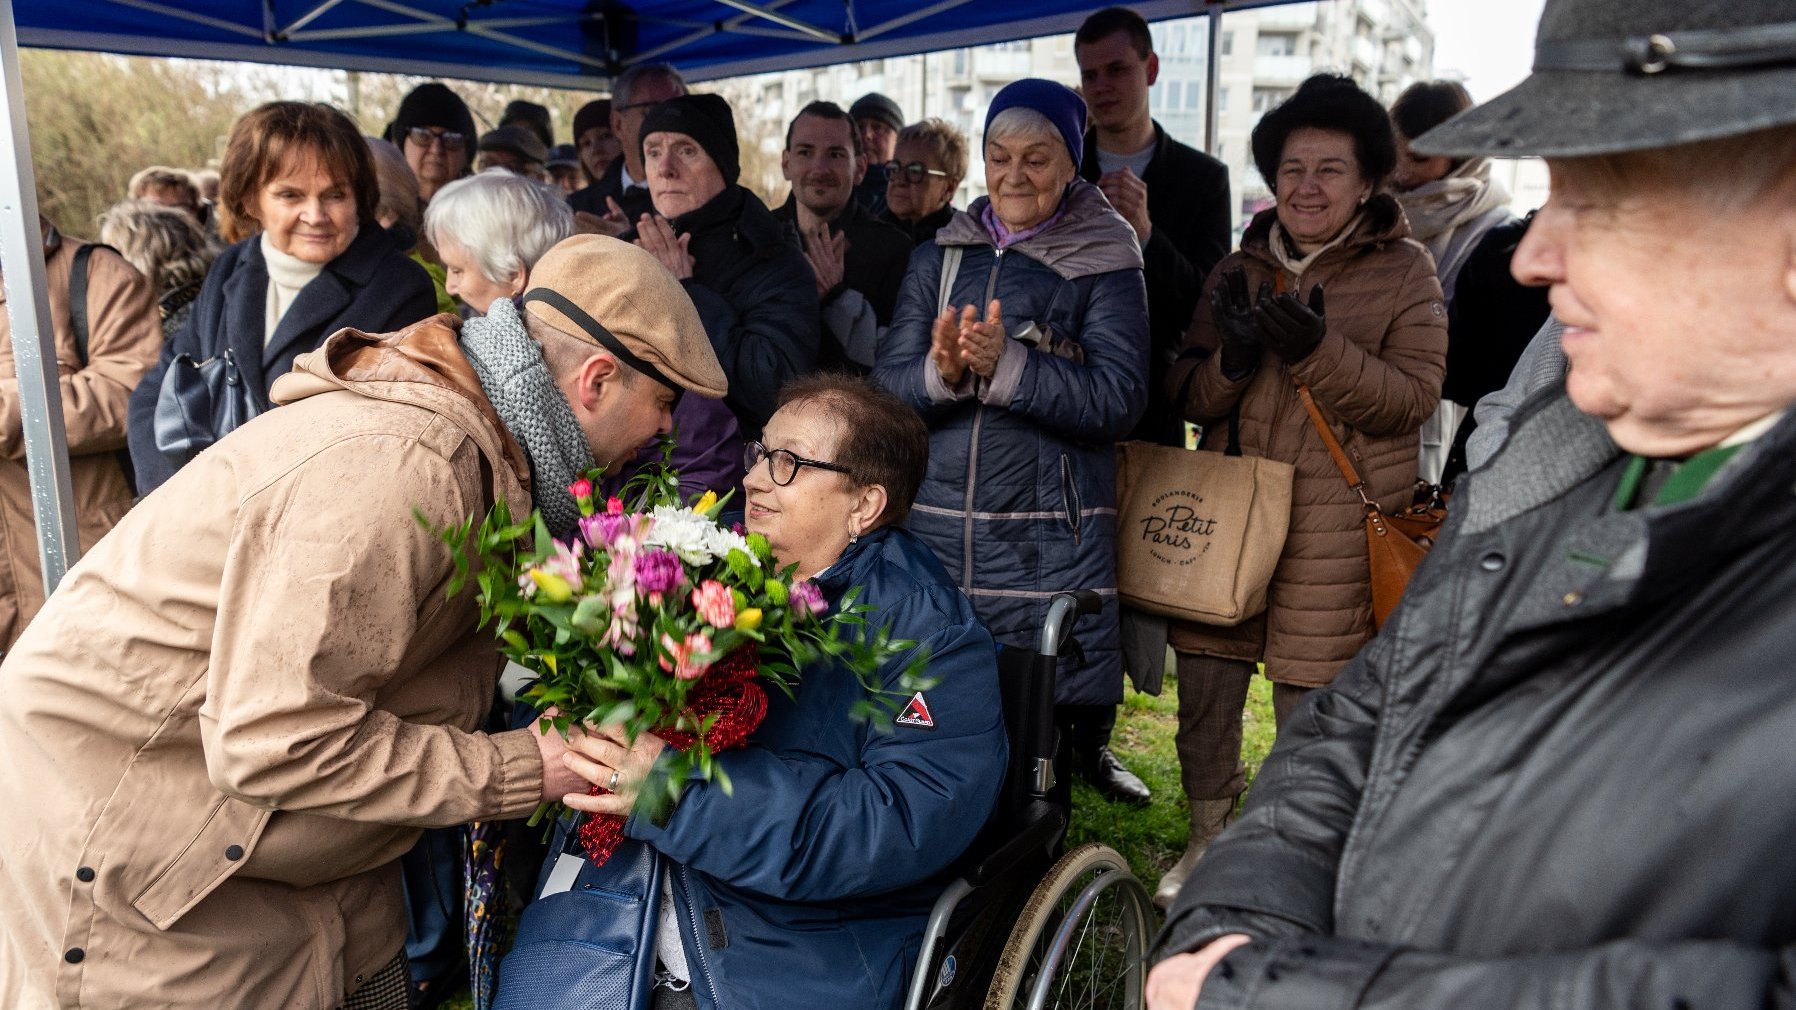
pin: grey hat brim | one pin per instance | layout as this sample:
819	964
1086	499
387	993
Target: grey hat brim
1573	113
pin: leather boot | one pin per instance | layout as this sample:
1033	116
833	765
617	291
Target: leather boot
1117	783
1208	818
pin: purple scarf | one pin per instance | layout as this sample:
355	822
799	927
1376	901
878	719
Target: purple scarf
1004	238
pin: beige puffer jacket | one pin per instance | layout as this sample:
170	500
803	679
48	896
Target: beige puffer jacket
1377	376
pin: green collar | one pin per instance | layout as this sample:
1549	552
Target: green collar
1686	481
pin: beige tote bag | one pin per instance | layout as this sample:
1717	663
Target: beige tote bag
1199	532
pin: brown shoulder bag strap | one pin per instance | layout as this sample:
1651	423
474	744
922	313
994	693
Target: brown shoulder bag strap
1334	445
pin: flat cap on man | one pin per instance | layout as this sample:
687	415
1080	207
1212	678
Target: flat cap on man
619	297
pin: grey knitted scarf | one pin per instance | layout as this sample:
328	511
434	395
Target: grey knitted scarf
516	379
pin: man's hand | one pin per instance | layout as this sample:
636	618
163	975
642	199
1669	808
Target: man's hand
1177	982
826	252
944	344
602	756
1128	194
982	340
655	234
614	222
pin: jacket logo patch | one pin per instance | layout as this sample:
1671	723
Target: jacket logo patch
916	713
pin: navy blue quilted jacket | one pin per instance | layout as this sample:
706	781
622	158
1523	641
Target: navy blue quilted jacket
1020	501
809	885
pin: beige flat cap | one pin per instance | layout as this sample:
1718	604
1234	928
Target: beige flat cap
621	298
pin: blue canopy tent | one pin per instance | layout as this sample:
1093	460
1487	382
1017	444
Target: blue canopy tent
559	43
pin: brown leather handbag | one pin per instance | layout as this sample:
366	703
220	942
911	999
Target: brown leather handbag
1395	543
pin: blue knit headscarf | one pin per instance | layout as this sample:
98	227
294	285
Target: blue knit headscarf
1061	104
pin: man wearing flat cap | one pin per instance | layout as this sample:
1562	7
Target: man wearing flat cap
1561	775
241	707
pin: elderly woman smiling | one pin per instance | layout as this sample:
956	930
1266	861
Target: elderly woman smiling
1021	337
490	229
1372	357
802	875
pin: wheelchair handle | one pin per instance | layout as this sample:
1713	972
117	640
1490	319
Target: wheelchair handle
1063	612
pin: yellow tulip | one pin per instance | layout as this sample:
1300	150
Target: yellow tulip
553	587
706	503
748	620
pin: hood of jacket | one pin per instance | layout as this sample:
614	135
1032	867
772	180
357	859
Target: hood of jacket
1381	221
421	364
1090	237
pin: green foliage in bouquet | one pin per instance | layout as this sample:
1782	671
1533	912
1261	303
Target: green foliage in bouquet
634	619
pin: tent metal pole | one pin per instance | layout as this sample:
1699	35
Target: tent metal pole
1213	85
783	20
33	339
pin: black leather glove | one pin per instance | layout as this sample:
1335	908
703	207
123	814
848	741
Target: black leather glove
1234	317
1288	326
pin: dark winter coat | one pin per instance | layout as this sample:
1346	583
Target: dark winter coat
1188	204
1490	320
872	271
923	229
1376	376
635	201
808	885
1560	776
758	299
372	286
1020	500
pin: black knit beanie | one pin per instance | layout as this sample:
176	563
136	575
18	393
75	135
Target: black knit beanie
432	104
597	113
706	119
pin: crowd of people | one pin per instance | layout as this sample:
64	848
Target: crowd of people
255	692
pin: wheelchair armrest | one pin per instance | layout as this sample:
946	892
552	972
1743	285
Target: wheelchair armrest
1038	828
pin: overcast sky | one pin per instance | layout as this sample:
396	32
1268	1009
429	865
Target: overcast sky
1489	42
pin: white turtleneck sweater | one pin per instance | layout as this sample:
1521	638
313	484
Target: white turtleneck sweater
286	276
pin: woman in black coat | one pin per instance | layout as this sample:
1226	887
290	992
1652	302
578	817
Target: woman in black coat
297	196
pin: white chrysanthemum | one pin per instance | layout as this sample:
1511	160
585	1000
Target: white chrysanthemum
696	539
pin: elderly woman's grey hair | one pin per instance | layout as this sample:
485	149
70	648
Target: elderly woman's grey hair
165	244
505	221
1018	121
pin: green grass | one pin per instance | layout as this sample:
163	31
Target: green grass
1153	837
1150	837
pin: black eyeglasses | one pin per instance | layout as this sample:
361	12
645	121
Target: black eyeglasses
782	464
916	171
424	136
632	107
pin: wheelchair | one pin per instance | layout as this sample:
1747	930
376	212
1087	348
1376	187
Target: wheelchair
1022	925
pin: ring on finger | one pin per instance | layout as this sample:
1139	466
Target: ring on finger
611	786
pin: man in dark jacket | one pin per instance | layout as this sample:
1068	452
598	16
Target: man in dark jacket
859	261
1560	775
1177	200
744	271
879	119
611	205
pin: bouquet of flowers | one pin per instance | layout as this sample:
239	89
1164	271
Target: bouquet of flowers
658	618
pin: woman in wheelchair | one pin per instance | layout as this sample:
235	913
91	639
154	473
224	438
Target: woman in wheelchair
806	886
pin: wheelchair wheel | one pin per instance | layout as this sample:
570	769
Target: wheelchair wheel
1080	941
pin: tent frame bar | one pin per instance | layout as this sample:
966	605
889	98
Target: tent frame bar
33	332
787	21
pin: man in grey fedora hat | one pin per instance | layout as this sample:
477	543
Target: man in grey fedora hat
1561	775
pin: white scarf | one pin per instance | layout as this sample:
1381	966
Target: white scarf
287	274
1296	265
1438	209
